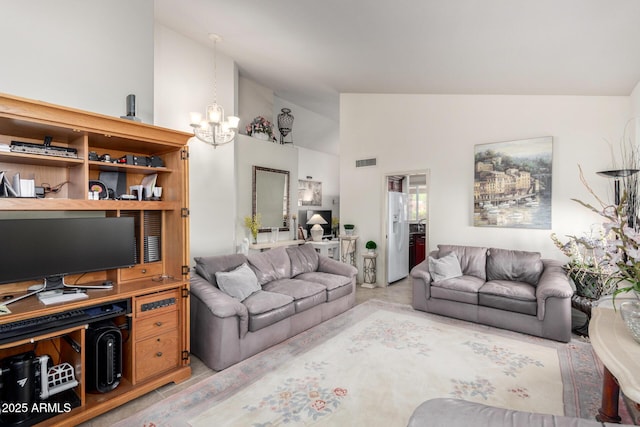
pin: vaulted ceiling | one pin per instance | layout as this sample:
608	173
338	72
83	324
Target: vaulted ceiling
309	52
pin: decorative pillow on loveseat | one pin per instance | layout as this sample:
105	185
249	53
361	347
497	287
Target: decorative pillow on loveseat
444	268
239	283
515	266
304	259
270	265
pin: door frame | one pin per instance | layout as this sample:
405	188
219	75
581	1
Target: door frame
385	217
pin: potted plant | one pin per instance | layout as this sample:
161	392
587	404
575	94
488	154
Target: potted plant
253	224
371	246
348	229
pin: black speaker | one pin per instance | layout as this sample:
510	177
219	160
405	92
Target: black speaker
104	357
116	181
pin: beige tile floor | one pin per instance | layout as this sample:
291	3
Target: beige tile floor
398	292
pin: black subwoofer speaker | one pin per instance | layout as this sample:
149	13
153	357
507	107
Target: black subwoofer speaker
104	357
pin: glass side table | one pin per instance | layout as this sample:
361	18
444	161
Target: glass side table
369	269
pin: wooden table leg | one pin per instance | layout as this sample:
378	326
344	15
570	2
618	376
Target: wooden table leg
608	412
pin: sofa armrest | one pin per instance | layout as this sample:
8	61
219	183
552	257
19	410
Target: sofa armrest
330	265
553	283
218	303
421	285
421	271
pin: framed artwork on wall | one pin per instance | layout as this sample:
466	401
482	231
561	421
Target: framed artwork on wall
512	184
309	193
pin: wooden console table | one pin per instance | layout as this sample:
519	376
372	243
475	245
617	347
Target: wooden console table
620	355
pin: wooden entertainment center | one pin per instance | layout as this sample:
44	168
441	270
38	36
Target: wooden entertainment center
155	326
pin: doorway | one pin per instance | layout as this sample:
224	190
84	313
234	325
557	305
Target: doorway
406	222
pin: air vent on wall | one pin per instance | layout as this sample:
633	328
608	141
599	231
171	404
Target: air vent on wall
366	162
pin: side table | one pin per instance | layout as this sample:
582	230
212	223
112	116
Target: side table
369	269
620	355
348	248
583	304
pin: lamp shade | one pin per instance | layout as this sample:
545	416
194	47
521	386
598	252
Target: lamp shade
316	219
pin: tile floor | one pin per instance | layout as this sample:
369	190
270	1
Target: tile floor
398	292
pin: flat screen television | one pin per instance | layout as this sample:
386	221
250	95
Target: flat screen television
48	249
306	216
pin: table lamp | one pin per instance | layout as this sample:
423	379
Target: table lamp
317	231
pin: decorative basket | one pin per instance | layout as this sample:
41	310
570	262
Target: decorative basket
590	284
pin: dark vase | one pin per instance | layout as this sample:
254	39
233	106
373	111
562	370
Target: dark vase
285	123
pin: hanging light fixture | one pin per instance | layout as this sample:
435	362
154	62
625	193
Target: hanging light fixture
214	129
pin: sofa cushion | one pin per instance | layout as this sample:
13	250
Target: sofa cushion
266	308
208	266
238	283
462	289
270	265
518	266
518	297
444	268
337	286
305	294
304	259
473	260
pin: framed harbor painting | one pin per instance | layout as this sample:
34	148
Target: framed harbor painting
512	184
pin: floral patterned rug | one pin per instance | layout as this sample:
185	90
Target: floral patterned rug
373	365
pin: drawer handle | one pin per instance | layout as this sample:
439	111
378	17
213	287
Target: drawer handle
159	354
144	271
158	323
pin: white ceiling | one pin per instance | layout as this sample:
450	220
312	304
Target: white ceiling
309	52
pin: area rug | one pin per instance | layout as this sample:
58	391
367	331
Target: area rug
373	365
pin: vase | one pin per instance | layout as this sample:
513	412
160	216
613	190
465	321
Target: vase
260	135
630	312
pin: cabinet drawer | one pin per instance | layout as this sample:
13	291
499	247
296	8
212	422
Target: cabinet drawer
157	354
155	325
140	271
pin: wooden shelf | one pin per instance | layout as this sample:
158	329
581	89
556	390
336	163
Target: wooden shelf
166	221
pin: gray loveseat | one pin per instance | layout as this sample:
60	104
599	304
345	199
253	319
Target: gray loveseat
243	305
515	290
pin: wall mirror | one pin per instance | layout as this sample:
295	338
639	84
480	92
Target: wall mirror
271	197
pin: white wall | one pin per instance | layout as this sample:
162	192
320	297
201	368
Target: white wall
254	152
255	100
325	168
309	130
184	83
438	132
83	54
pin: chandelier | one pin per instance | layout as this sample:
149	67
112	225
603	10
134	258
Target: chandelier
214	129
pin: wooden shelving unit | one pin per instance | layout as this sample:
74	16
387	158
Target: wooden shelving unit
156	344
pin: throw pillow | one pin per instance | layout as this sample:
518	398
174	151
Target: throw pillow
238	283
208	266
444	268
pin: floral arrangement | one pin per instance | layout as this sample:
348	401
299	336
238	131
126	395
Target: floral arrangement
253	224
260	125
587	265
621	250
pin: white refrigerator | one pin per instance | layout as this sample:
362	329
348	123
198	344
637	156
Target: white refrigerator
398	237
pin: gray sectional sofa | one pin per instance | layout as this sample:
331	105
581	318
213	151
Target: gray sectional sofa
509	289
241	305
